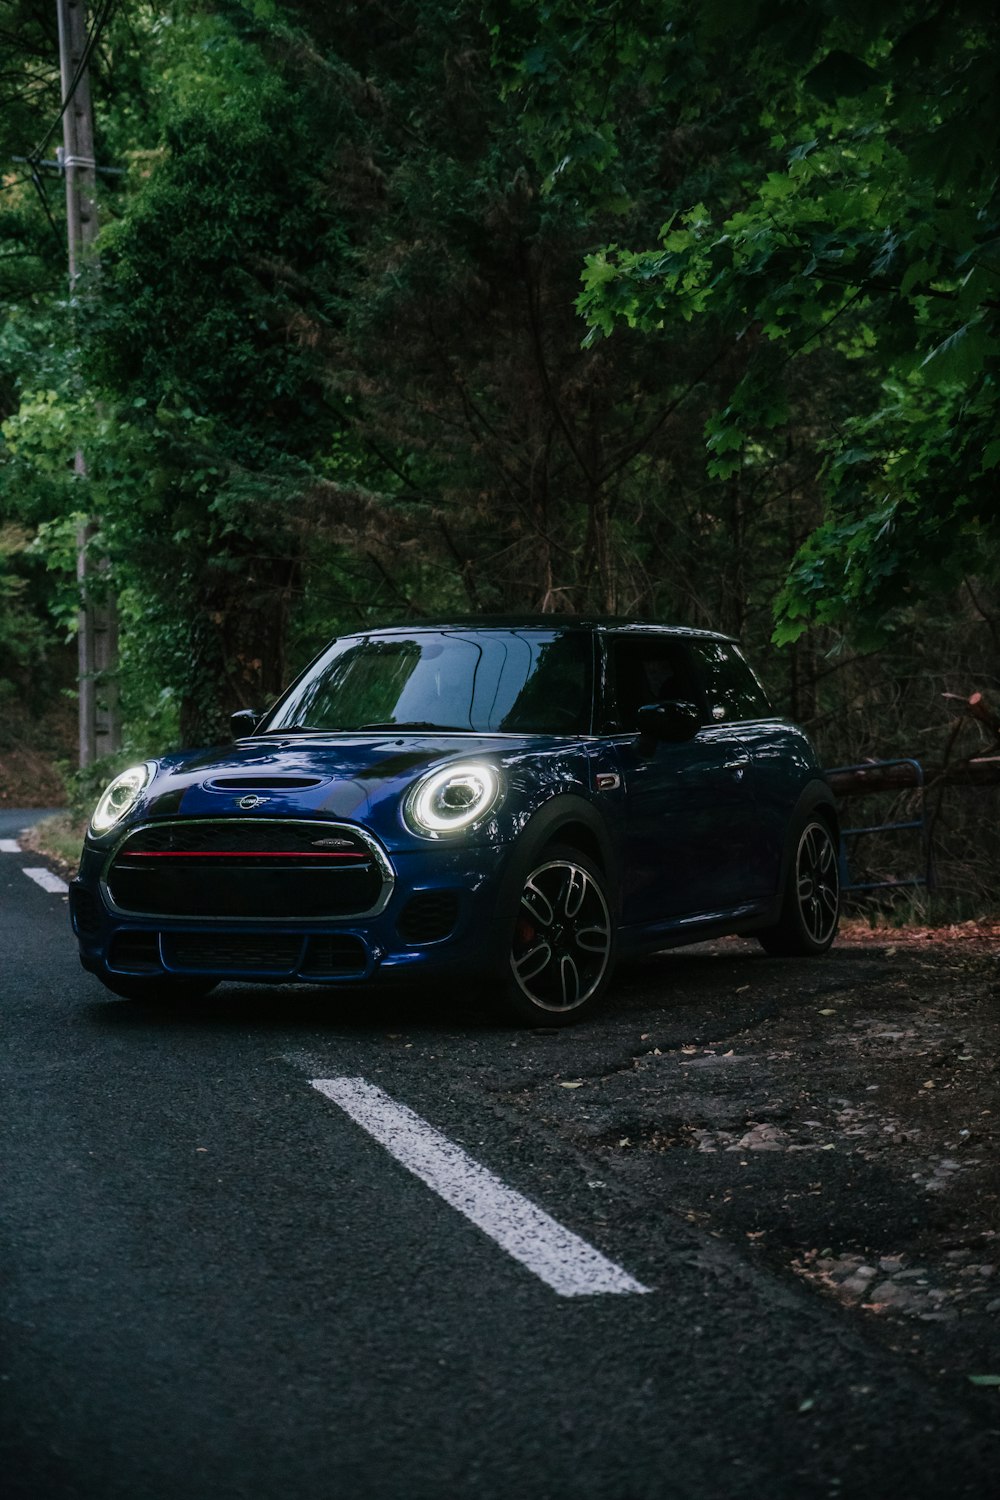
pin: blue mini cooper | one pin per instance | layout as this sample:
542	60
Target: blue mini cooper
509	803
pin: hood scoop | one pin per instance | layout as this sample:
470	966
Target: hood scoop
265	783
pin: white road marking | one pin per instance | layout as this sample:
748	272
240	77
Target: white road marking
561	1258
9	846
47	881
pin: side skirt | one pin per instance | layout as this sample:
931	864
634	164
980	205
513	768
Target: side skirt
650	937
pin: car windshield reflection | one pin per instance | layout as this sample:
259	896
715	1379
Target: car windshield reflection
508	682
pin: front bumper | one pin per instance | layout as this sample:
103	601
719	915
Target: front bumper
439	921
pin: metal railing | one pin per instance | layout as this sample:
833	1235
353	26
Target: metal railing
916	825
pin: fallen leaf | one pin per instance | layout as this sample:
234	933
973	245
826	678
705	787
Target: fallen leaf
984	1379
577	1085
828	1012
807	1404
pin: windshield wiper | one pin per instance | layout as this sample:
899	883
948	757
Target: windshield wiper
298	729
358	728
414	724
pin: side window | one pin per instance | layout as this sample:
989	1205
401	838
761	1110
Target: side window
648	669
731	689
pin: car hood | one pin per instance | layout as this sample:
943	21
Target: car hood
358	777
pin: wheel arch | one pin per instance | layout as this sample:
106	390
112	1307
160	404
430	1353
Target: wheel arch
816	798
571	820
564	819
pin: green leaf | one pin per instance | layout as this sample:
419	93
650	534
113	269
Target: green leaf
960	356
840	76
991	1380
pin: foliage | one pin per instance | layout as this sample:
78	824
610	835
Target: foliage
332	368
867	226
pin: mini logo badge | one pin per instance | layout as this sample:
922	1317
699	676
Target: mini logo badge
249	803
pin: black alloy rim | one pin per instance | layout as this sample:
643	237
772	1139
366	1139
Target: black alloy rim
562	937
818	883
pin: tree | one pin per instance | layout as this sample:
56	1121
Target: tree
860	218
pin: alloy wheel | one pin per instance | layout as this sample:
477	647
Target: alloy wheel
818	883
562	937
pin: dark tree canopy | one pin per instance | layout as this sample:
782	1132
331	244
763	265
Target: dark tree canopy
682	307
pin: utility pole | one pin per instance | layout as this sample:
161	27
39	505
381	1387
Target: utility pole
97	630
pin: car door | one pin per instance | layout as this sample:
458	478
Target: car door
736	701
690	814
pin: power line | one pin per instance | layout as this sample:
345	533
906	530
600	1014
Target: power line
101	19
39	187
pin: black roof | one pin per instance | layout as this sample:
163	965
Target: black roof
543	622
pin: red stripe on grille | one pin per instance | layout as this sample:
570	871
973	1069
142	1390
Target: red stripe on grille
233	854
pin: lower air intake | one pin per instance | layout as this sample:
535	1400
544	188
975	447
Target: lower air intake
428	917
233	952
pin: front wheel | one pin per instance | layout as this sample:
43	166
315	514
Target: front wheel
562	940
811	908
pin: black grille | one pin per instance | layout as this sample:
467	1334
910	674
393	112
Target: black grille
135	951
85	910
244	836
428	917
242	952
262	868
333	953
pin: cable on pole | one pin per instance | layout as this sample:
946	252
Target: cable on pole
101	18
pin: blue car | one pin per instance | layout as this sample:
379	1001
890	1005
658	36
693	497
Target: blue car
506	804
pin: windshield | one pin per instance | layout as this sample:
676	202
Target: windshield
497	681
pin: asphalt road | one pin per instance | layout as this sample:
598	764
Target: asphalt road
217	1283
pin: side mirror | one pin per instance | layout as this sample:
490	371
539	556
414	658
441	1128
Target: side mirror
244	721
673	720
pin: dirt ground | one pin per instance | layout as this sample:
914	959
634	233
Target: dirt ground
28	779
837	1118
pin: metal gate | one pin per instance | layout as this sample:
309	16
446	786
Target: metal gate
916	825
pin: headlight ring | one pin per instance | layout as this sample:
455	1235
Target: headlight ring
119	798
452	799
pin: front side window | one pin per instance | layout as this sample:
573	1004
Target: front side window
503	681
648	669
731	690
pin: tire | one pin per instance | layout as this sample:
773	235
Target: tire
811	907
156	990
559	940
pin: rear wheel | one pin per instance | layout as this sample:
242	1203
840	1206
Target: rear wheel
811	909
561	944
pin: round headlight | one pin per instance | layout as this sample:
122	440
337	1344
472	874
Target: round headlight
119	798
452	799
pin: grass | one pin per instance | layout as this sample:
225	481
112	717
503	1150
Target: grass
59	838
